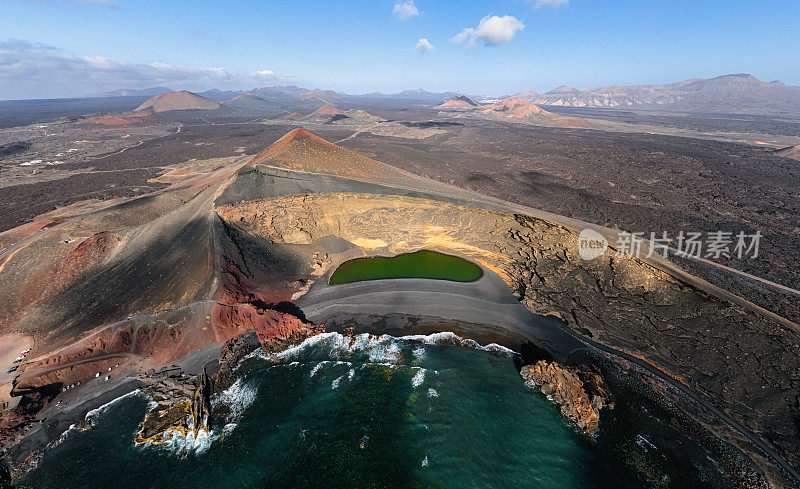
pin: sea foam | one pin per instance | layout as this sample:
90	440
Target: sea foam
92	415
238	397
418	378
450	338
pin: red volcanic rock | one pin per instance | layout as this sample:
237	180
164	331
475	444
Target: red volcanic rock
103	341
300	150
61	273
527	112
90	250
328	110
294	138
236	290
461	102
233	320
71	374
513	107
127	119
182	100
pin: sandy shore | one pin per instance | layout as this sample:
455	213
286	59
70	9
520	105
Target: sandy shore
486	304
11	346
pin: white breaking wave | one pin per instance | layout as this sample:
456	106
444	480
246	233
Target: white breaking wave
309	342
450	338
177	443
418	378
531	384
257	353
432	392
381	349
644	443
238	397
228	429
336	381
317	367
91	416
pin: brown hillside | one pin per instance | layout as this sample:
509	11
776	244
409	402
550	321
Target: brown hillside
792	152
328	110
326	95
247	101
183	100
458	103
128	119
513	107
302	151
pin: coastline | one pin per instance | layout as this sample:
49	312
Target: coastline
427	332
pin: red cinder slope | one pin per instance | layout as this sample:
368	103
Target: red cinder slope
183	100
300	150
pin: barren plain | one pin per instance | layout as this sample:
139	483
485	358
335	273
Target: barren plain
153	258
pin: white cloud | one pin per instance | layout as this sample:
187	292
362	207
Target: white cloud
549	3
492	30
423	46
34	70
405	9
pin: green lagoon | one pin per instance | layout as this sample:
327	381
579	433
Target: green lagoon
420	264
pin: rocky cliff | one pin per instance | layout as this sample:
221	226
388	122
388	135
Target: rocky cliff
580	394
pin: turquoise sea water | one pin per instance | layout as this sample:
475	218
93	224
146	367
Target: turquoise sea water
380	412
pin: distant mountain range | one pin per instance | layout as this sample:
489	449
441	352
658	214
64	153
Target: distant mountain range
740	93
733	94
220	95
247	101
324	95
279	92
417	94
131	92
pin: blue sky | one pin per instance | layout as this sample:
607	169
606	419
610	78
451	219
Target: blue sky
52	48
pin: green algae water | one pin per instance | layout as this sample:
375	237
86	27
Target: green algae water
379	412
420	264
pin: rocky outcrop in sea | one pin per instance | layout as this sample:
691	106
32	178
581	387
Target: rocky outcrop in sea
580	394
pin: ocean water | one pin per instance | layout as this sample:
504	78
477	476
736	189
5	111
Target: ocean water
376	412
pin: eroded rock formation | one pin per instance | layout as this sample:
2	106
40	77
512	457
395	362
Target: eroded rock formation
580	394
183	404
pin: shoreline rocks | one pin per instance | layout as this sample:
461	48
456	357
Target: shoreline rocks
580	394
184	403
